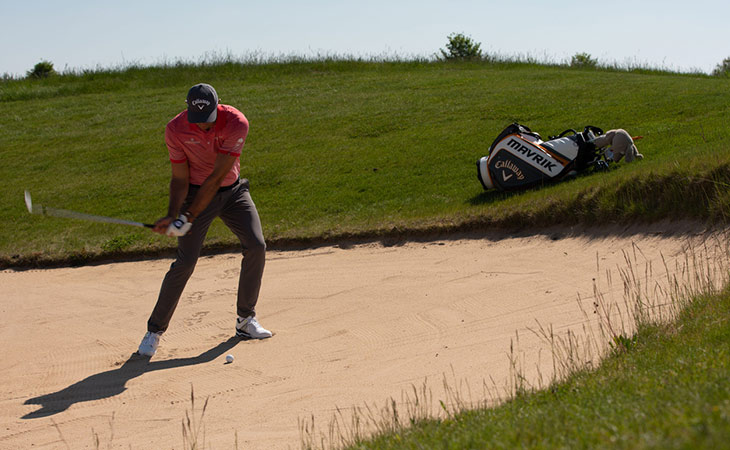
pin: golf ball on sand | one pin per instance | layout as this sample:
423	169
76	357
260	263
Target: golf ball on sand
229	358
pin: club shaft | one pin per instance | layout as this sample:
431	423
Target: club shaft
46	211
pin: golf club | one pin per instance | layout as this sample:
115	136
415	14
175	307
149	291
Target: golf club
46	211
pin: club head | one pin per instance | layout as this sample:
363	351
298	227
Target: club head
28	202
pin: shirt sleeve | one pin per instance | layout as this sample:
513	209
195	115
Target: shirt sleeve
177	154
235	135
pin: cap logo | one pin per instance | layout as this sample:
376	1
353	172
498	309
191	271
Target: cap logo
201	103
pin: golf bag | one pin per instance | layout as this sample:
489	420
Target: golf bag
520	159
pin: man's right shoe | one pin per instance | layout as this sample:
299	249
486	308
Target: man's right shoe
149	344
250	328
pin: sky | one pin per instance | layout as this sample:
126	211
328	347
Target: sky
683	36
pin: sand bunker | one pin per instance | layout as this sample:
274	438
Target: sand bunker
352	326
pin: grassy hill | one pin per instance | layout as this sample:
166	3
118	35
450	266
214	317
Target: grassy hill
348	148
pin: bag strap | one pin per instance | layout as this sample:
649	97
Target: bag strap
514	128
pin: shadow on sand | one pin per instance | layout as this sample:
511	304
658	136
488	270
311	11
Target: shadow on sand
113	382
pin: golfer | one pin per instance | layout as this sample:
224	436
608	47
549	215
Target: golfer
205	142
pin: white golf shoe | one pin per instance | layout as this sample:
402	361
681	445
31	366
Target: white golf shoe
250	328
149	344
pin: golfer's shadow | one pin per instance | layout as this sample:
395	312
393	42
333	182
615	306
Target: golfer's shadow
113	382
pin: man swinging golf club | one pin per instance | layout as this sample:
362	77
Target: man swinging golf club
205	142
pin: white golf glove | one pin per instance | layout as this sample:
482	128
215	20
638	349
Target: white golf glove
608	153
179	226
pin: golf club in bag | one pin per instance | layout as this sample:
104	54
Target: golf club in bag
519	158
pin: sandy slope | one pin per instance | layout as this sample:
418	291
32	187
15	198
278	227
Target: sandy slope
352	326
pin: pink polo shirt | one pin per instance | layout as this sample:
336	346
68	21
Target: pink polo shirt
186	142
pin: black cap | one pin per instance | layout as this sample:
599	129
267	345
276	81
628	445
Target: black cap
202	104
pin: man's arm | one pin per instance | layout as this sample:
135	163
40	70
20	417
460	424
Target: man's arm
223	165
179	183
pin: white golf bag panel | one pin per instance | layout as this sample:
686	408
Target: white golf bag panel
519	158
565	147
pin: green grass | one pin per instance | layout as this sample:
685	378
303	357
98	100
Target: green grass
354	149
669	389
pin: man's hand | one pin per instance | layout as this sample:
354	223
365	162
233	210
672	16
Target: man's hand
179	226
162	224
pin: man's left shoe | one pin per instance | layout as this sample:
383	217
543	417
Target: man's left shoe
250	328
149	344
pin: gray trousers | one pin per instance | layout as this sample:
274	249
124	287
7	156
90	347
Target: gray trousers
237	210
